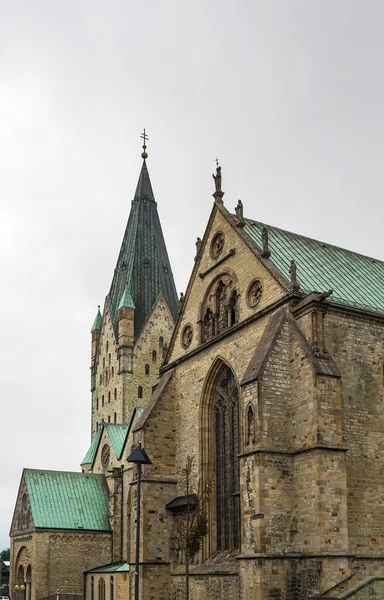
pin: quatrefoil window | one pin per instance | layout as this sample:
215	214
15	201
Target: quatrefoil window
255	291
186	336
217	244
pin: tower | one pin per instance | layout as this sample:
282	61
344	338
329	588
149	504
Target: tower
130	336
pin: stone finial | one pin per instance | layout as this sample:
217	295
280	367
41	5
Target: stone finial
218	195
264	239
293	274
181	300
239	214
198	246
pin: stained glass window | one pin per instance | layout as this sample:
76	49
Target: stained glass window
226	419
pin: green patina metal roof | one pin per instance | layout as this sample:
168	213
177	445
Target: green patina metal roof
126	300
117	435
111	568
143	264
97	321
65	500
90	456
356	280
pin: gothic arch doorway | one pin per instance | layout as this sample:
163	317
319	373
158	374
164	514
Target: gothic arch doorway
219	457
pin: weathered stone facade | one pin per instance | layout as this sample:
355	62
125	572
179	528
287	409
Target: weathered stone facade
277	393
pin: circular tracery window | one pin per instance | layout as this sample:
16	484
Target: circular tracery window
217	244
186	336
105	454
255	291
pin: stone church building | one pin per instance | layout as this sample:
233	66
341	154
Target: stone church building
269	371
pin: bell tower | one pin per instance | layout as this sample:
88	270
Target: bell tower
127	346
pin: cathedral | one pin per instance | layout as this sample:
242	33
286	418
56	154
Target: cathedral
269	373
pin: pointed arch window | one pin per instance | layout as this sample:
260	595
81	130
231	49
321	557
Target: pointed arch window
147	369
92	588
111	589
227	476
140	391
101	588
154	356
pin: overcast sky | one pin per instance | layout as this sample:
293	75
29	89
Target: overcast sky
288	94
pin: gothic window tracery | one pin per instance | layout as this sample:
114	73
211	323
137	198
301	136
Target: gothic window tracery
221	308
227	476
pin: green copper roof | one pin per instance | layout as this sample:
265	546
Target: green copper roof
126	300
143	264
97	321
356	280
64	500
90	456
111	568
117	435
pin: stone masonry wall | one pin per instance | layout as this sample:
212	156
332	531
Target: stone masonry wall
357	345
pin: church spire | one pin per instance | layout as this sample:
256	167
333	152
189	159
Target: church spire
143	265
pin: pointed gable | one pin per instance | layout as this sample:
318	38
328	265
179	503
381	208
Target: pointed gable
143	265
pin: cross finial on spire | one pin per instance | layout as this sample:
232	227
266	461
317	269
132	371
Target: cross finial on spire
217	162
145	138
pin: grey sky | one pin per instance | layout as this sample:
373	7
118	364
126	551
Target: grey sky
288	94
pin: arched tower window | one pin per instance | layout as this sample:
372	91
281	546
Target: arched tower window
92	588
154	356
109	396
97	404
114	418
161	342
147	369
140	391
115	394
111	589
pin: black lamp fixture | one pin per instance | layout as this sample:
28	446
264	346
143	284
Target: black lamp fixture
138	457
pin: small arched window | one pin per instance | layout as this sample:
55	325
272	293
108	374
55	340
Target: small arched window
97	404
115	394
101	589
92	588
250	426
101	379
154	356
107	346
109	396
113	371
97	425
103	362
102	400
109	419
114	418
147	369
111	589
161	342
140	391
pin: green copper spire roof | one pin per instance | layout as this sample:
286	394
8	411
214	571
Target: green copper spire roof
143	264
65	500
126	299
97	321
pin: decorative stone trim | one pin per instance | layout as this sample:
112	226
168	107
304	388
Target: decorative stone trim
187	336
254	293
232	252
217	244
